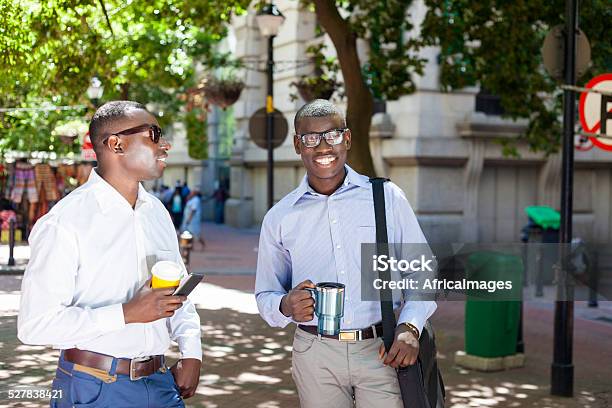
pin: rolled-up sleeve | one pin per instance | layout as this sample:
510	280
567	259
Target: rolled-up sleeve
273	277
184	326
45	313
184	329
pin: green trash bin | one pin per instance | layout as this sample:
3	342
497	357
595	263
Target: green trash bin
491	326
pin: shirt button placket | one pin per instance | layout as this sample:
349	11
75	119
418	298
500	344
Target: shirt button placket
336	242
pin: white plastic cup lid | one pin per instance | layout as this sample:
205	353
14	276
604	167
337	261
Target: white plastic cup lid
167	270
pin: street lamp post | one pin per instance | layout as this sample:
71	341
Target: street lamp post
95	91
562	370
269	20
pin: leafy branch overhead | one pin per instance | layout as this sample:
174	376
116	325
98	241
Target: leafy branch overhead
496	44
393	57
393	49
140	50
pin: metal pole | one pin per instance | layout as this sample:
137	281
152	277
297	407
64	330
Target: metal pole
562	369
270	121
11	259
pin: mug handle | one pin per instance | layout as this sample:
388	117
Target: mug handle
313	293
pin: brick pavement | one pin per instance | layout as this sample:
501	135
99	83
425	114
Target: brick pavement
247	364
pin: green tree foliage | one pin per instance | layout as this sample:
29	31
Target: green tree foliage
393	59
197	136
141	50
496	44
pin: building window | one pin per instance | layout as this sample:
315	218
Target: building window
488	103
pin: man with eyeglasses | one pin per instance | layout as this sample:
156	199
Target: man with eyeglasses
314	234
86	290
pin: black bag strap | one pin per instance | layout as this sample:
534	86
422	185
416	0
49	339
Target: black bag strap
382	248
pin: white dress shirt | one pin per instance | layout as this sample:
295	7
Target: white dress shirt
308	235
90	254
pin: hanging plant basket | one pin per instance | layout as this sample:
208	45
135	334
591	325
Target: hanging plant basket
68	131
67	139
311	88
223	92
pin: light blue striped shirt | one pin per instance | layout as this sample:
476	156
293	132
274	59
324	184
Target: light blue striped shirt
308	235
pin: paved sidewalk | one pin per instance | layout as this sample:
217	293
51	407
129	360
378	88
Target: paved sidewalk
228	251
21	255
247	363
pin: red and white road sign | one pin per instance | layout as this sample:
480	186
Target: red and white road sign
593	114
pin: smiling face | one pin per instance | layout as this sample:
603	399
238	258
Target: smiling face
324	163
138	157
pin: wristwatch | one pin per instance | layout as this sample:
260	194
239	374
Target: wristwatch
412	329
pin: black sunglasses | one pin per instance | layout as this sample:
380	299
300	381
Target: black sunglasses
155	132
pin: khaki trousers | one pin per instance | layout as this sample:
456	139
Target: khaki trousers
332	374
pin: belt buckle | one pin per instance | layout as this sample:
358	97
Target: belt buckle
349	335
133	376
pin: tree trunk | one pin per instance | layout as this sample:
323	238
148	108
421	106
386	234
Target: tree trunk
360	100
125	92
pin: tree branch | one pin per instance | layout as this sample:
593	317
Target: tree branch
106	16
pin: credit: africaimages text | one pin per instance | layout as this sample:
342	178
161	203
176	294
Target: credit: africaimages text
385	263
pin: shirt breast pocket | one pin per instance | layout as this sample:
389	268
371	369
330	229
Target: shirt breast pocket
367	234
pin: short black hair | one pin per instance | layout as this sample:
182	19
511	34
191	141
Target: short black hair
319	108
106	114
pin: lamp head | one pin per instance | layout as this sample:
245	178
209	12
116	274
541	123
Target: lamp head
269	19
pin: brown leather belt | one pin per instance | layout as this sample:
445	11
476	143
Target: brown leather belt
348	335
136	368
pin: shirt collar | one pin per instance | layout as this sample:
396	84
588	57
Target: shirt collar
352	178
108	197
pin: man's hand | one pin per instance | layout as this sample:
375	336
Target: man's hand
149	304
298	303
186	373
404	350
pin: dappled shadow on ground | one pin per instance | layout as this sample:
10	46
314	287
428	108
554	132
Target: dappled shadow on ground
490	390
528	386
246	363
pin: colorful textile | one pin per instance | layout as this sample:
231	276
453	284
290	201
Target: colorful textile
45	182
5	218
25	182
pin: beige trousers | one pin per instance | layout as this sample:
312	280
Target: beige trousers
333	374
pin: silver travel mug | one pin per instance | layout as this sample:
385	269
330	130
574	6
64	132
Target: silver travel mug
329	306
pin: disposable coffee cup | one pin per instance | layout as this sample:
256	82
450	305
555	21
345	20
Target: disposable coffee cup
166	274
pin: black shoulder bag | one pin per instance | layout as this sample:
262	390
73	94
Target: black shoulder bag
420	384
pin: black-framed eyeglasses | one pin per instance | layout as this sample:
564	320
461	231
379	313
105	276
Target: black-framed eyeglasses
155	132
332	137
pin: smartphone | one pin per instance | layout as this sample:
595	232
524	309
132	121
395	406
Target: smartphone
188	284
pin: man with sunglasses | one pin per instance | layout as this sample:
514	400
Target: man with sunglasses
314	234
86	289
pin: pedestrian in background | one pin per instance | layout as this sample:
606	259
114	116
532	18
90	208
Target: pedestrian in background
220	196
176	207
192	216
166	196
185	190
